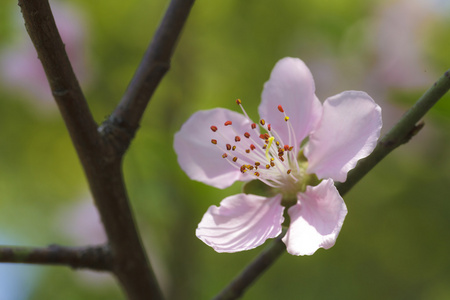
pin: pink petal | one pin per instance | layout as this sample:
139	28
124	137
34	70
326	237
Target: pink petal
315	220
349	130
242	222
291	85
202	160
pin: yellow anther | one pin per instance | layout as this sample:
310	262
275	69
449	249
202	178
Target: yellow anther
268	147
286	118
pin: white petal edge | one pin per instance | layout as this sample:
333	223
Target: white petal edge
316	219
348	131
241	222
199	158
291	85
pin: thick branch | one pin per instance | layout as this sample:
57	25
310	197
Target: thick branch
154	65
90	257
98	154
399	134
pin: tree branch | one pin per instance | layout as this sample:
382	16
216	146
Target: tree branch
101	153
263	261
154	65
401	133
91	257
404	130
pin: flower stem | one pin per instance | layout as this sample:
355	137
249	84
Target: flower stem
401	133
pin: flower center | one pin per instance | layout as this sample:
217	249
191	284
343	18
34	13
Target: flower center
264	156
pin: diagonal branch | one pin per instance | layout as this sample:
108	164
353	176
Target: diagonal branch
91	257
404	130
154	65
63	82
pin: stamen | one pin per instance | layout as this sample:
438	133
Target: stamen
227	123
247	135
214	128
262	122
253	125
237	139
214	141
235	159
280	108
228	147
268	147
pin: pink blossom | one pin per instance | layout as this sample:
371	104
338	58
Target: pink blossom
305	146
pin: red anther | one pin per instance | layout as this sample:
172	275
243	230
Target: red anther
262	136
224	155
214	128
243	170
286	147
235	159
238	101
252	147
228	147
266	135
269	127
227	123
253	125
247	135
289	171
247	150
262	122
280	108
291	147
281	158
214	141
237	139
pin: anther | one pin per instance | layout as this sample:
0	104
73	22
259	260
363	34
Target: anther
262	122
247	150
235	159
280	108
214	141
247	135
237	139
233	148
286	118
238	101
253	125
228	147
269	127
289	171
227	123
257	163
214	128
267	166
224	155
252	147
286	147
256	174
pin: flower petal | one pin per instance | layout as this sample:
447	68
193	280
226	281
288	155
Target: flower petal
348	131
242	222
202	160
315	220
291	85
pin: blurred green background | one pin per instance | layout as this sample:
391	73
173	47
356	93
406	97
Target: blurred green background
394	243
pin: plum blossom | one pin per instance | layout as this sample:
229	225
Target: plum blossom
299	148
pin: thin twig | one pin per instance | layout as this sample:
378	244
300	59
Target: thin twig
154	65
398	135
263	261
89	257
